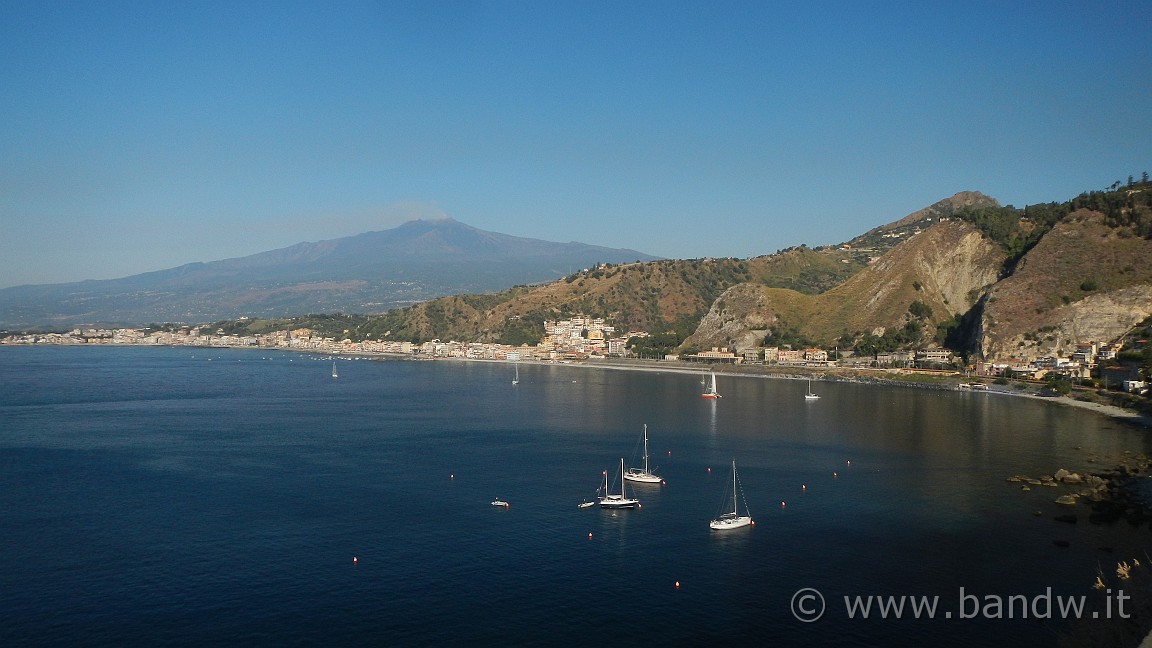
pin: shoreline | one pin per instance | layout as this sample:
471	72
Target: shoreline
852	376
885	377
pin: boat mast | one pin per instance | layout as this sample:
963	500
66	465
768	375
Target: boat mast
735	511
645	448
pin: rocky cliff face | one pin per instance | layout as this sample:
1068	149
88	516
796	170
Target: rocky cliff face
946	266
1084	281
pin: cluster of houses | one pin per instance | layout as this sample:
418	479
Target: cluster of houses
1084	362
576	338
815	357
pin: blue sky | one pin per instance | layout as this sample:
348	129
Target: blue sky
137	136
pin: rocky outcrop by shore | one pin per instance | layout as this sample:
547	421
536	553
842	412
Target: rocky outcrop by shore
1112	495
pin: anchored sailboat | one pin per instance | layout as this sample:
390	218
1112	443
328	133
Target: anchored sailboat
711	392
334	374
644	476
810	395
614	501
731	519
516	380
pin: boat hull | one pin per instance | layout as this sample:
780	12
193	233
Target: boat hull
618	503
643	478
730	523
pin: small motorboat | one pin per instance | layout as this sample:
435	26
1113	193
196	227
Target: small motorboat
500	502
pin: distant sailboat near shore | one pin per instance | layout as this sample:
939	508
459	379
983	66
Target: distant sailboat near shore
810	395
334	374
516	380
711	391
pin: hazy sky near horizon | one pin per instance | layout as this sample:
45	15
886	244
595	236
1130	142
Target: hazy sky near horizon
138	136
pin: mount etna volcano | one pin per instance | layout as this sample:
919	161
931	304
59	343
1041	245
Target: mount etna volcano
367	273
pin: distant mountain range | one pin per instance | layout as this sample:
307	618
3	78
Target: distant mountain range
367	273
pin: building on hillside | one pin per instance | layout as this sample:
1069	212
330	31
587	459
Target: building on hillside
618	347
771	355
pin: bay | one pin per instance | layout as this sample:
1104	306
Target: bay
171	496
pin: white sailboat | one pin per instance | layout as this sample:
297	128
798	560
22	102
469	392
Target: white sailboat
516	380
644	476
810	395
614	501
334	374
711	391
731	519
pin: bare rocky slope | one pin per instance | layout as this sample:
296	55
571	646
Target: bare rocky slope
1083	281
944	267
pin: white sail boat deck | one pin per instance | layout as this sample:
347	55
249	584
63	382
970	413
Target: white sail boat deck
731	519
645	476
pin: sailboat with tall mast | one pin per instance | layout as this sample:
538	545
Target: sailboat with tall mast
614	501
516	380
731	519
811	395
334	374
645	476
711	391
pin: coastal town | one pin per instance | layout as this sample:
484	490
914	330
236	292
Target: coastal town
582	338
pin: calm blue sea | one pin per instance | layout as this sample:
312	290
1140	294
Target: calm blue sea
171	496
